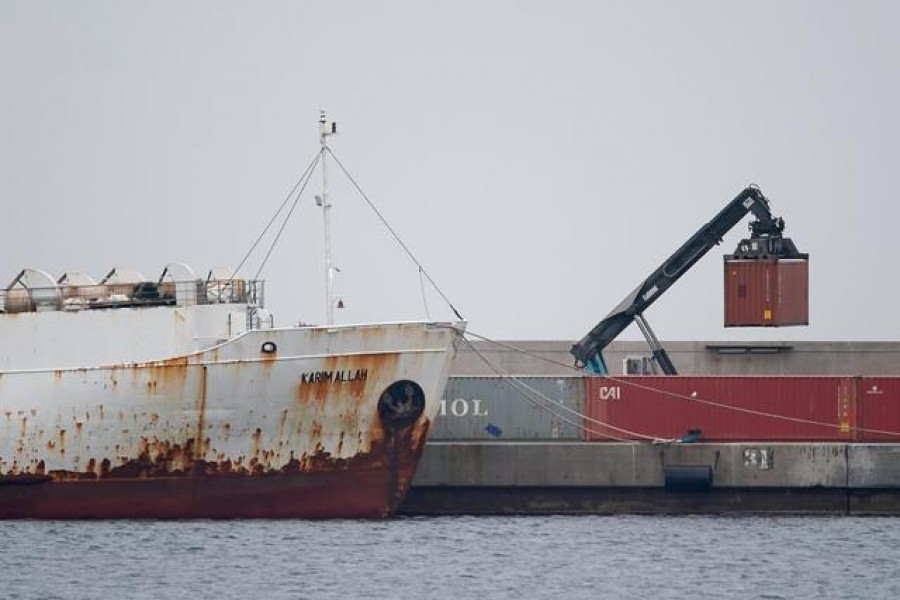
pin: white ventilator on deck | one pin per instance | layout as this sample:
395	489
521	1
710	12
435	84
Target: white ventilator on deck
74	321
79	290
182	278
32	289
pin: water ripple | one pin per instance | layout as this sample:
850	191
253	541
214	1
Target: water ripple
454	557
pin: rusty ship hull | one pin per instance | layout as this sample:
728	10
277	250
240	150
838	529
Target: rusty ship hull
302	422
349	495
176	397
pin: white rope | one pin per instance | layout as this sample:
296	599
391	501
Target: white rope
424	299
394	234
530	393
677	395
741	409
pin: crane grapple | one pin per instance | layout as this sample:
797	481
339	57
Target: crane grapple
766	244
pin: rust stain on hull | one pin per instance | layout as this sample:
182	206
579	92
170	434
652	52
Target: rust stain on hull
165	481
182	438
200	449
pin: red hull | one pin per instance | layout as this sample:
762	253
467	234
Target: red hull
368	486
352	494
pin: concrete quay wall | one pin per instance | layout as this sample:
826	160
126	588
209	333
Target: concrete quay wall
604	478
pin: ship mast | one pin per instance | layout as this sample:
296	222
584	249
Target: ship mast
327	128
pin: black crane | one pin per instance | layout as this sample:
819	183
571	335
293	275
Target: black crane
765	242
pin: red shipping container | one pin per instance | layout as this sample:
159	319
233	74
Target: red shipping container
724	409
879	409
766	293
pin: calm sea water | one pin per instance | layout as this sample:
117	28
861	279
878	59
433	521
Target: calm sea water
458	557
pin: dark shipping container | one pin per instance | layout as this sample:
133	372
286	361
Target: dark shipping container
723	409
766	293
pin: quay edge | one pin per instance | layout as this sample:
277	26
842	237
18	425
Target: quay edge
610	478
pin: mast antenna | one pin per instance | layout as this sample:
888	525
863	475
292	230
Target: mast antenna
327	128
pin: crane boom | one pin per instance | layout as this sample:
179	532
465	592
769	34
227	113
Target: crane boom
766	241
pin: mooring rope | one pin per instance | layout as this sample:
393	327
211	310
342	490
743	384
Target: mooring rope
676	395
530	394
396	237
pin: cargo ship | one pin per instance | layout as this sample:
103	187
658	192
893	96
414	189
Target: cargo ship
176	397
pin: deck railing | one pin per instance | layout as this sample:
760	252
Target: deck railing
20	299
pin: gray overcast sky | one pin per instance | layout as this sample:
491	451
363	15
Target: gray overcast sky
540	159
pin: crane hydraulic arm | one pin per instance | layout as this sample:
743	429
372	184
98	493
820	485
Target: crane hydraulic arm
765	241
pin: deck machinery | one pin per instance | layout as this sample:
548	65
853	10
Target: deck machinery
766	242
